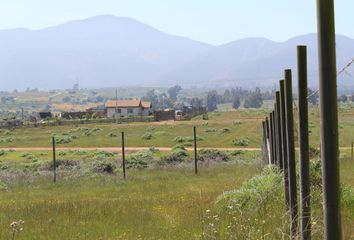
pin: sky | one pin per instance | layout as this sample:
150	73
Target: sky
211	21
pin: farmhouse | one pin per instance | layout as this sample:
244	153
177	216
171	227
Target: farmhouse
123	108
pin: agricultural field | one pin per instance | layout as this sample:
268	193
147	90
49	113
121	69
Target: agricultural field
233	196
239	128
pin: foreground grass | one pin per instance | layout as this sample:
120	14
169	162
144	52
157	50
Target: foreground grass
151	204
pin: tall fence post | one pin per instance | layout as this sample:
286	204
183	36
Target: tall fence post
305	203
329	118
264	143
268	140
123	155
291	152
284	142
276	135
352	149
279	136
195	150
54	161
274	140
271	138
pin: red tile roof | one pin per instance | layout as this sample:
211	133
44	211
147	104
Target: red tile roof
146	104
123	104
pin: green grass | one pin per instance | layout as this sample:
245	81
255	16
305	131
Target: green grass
241	123
151	204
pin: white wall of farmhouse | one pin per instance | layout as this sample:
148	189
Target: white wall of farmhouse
124	112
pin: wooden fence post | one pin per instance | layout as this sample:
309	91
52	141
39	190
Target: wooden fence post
268	140
305	203
54	161
195	150
291	152
279	136
274	139
329	118
284	142
123	155
271	138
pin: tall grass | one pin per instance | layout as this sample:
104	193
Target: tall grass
151	204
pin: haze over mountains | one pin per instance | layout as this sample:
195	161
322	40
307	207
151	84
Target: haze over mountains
114	51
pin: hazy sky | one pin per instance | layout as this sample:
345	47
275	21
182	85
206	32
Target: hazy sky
212	21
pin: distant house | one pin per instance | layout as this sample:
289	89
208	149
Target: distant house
123	108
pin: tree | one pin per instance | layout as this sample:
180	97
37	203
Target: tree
173	92
312	96
236	102
151	97
227	96
254	99
211	100
343	98
196	102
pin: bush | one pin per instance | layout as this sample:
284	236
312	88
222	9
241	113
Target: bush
147	136
103	166
207	155
181	139
102	154
63	139
2	152
67	164
112	134
139	160
225	130
176	156
241	142
241	213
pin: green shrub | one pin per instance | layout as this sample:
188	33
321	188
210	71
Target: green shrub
154	150
103	166
207	155
2	152
179	147
150	128
176	156
181	139
63	139
61	153
139	160
147	136
66	164
112	134
102	155
241	142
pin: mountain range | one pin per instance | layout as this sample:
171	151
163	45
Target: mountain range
110	51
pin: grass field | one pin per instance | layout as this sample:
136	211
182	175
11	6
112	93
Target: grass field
151	204
220	130
159	201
